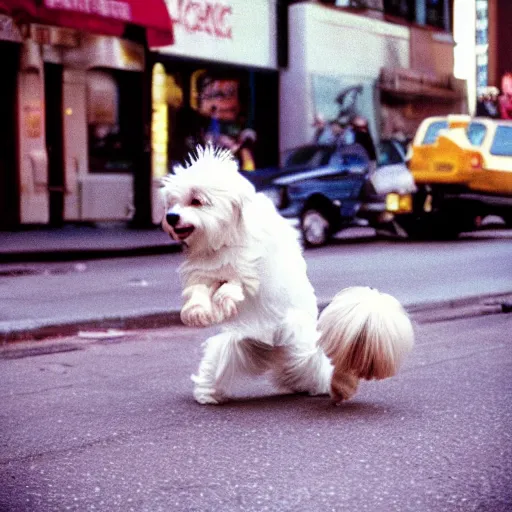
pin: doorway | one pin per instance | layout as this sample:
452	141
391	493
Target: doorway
9	184
53	74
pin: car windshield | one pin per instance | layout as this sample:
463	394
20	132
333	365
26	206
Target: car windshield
339	159
433	131
502	143
351	155
308	156
476	133
389	154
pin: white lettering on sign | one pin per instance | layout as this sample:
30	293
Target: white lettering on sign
210	17
116	9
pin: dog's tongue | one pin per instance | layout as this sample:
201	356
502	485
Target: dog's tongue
183	233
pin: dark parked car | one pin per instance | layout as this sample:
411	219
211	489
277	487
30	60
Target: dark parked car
328	188
392	174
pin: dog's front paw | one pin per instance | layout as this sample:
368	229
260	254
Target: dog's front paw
205	396
225	301
197	315
224	309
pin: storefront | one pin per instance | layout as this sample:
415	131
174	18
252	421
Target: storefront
218	82
344	64
80	131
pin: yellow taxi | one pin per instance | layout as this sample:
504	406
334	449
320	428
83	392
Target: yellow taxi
435	149
462	168
490	157
477	153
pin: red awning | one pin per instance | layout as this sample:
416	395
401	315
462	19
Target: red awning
106	17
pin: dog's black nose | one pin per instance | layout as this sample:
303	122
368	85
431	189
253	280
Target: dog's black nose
172	219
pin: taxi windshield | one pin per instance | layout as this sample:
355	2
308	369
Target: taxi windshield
502	143
433	131
476	133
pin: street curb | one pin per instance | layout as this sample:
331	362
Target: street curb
154	320
60	255
420	313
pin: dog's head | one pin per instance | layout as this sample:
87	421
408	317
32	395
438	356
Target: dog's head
204	200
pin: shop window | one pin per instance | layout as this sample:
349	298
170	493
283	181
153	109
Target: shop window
111	117
482	22
435	13
217	109
232	107
400	8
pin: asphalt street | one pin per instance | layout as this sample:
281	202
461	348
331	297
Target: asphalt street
111	425
147	290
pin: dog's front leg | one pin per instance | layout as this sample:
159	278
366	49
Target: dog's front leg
226	298
198	308
209	388
225	357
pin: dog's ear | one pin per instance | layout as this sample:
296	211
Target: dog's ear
242	193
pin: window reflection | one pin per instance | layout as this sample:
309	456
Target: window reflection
476	133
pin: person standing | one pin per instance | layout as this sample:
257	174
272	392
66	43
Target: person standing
505	100
363	137
487	104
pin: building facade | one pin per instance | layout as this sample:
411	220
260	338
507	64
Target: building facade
72	107
390	62
97	106
217	83
500	40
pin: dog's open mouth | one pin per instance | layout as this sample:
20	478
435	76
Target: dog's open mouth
183	232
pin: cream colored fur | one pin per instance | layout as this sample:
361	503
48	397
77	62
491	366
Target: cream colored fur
244	269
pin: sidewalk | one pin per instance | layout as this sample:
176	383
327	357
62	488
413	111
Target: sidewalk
81	288
82	241
108	240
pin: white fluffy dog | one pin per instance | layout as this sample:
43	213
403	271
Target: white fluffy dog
244	269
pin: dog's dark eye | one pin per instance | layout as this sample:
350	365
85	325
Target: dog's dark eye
196	202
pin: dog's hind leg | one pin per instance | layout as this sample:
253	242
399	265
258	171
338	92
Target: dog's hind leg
300	364
225	357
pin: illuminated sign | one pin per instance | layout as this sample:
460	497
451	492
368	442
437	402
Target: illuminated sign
232	31
159	124
212	18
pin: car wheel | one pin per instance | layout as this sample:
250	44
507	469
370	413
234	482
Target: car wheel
315	228
507	219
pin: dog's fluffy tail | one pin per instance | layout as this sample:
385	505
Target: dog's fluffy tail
365	333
